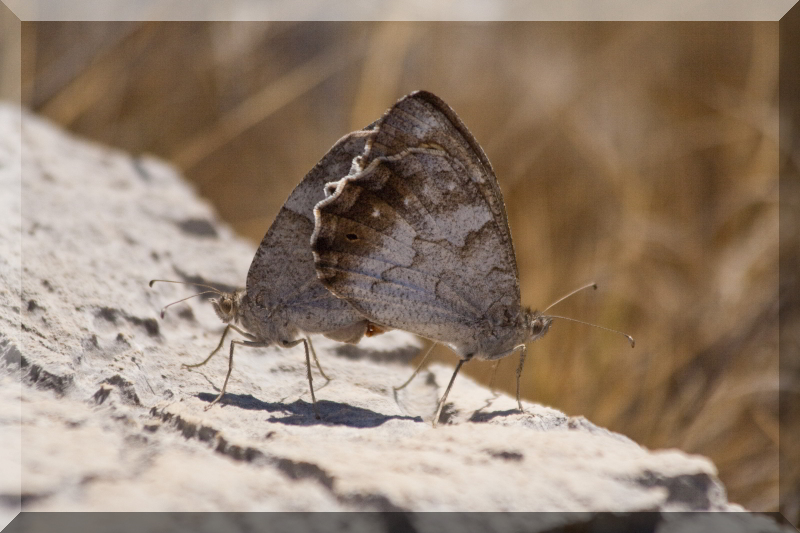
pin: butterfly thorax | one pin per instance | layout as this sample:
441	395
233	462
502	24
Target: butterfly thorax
236	307
493	339
270	324
500	340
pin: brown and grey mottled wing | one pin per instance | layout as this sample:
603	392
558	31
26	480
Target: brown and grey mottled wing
416	237
282	281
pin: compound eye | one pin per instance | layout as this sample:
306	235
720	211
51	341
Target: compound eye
537	327
226	306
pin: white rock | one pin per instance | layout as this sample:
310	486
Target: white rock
111	421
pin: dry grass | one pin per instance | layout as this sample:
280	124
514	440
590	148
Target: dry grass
643	156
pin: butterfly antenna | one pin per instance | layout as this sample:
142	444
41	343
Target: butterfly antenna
211	289
593	285
164	309
630	339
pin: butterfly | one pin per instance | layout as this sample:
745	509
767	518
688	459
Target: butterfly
283	300
416	238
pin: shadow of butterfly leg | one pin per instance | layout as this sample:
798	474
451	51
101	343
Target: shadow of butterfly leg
522	352
447	391
316	361
419	367
230	365
306	342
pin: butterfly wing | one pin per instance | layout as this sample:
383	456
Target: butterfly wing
282	284
416	237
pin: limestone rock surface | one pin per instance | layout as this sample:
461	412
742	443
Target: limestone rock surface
98	414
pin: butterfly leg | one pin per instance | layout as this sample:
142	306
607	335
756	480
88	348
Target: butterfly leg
522	353
494	375
316	361
419	367
446	392
221	342
289	344
230	365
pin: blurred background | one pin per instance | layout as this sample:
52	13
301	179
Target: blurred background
642	156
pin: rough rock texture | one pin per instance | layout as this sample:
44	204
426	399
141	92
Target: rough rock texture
110	421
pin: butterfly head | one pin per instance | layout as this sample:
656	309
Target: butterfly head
228	305
538	324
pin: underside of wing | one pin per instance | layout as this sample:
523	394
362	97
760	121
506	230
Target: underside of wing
416	236
282	280
423	119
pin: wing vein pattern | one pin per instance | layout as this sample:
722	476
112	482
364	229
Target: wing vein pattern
420	221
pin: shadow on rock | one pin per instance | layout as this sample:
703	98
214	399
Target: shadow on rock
481	416
402	354
301	413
